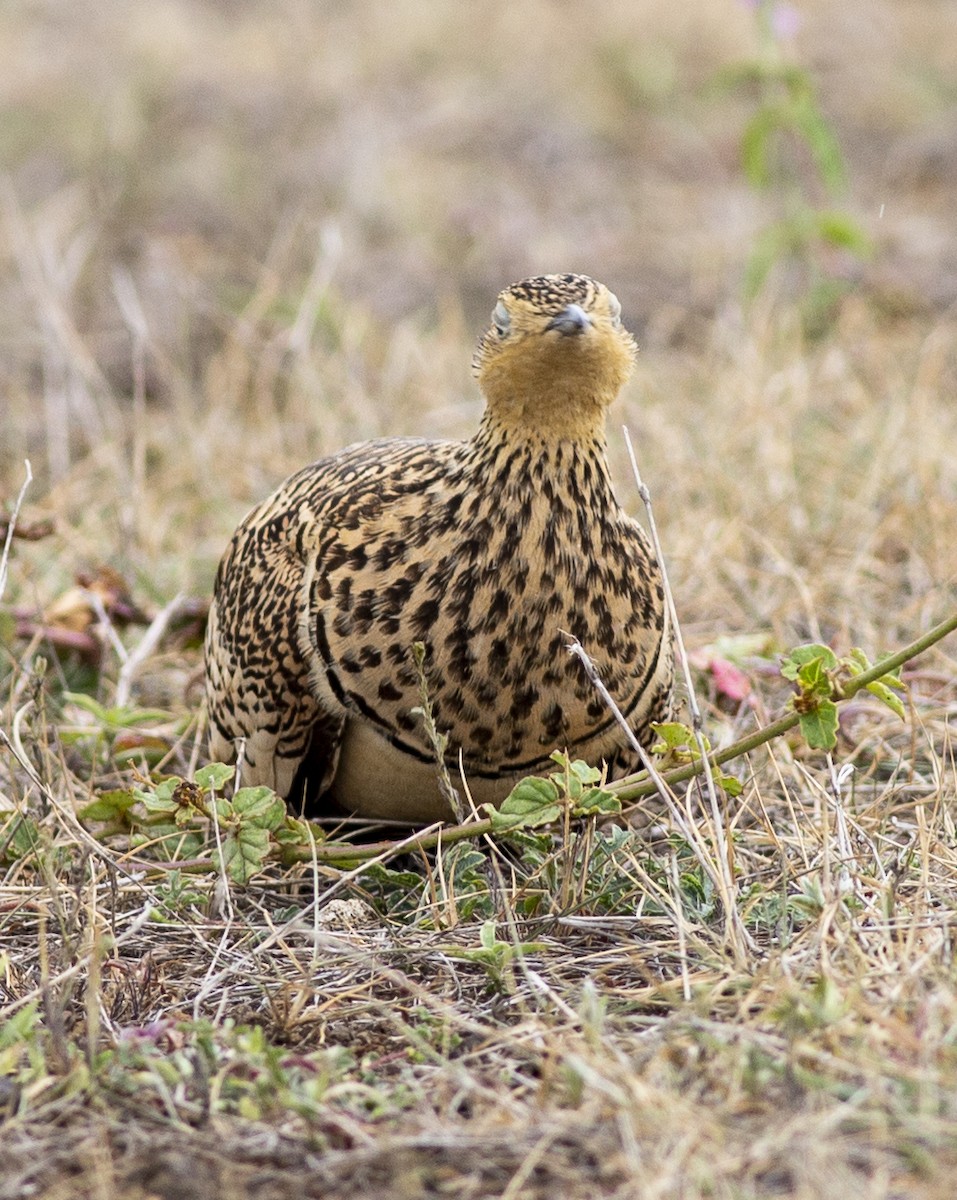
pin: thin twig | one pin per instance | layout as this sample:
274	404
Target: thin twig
12	525
574	646
144	648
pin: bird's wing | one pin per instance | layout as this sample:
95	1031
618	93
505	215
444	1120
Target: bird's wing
258	689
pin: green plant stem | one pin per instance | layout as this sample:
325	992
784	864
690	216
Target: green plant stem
631	787
343	854
634	787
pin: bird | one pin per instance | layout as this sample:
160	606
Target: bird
488	553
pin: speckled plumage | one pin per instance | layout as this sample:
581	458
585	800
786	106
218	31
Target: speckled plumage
488	551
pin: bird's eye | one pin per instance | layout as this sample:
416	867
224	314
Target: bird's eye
614	309
501	320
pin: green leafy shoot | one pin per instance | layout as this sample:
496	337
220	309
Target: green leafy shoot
113	719
535	801
819	676
857	663
174	819
678	745
791	155
495	955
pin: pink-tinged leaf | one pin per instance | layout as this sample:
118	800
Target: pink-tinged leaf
730	680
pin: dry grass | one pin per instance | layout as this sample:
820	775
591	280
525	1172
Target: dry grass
236	236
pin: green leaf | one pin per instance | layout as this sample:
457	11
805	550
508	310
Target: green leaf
20	1028
167	840
19	836
260	806
584	772
161	800
572	780
295	832
223	808
756	145
533	801
730	784
579	768
819	727
814	679
108	806
244	852
673	735
567	784
807	119
115	718
840	229
802	656
400	881
596	801
214	776
880	689
857	661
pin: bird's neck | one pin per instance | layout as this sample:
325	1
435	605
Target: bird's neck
552	393
522	451
548	418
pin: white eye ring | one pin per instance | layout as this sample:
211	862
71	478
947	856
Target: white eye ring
614	308
501	320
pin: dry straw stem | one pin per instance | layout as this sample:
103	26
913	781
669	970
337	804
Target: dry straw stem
11	526
725	876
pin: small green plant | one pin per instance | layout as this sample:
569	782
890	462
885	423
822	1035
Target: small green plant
433	1032
175	897
789	152
179	812
20	837
118	733
820	675
803	1010
496	956
536	801
227	1068
397	894
678	745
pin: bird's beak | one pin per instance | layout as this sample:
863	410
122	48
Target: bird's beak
570	321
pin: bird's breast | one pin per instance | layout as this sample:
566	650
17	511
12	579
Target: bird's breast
492	580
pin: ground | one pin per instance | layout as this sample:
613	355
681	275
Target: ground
236	236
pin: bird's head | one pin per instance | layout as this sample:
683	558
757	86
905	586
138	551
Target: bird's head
555	356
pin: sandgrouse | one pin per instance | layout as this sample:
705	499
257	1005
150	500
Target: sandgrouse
489	552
